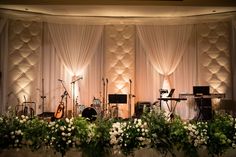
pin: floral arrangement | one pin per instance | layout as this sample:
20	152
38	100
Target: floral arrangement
128	136
112	136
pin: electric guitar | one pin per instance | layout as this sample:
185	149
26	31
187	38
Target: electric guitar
60	111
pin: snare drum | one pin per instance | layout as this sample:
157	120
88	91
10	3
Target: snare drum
96	105
90	113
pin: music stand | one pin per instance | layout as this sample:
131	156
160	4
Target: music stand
117	99
171	93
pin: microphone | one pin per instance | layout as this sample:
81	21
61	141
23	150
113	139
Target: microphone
130	80
60	80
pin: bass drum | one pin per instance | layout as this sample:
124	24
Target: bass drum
89	113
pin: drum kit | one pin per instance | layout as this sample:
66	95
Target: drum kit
92	112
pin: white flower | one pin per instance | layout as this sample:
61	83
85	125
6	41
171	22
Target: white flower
69	134
63	134
67	120
196	132
145	124
18	132
62	128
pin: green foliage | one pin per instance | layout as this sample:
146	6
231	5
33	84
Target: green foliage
105	136
159	131
221	134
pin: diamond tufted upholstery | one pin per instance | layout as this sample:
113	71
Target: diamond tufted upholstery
214	56
23	58
119	56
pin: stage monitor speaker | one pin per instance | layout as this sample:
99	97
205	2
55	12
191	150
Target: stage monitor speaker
117	98
139	108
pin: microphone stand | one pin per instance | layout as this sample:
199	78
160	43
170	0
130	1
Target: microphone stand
103	98
106	91
66	94
73	88
43	96
130	96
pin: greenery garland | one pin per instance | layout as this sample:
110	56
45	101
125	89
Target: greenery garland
110	136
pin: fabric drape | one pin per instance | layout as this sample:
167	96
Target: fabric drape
75	44
54	68
165	45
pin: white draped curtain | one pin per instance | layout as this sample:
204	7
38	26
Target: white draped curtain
68	51
148	80
167	52
165	46
75	44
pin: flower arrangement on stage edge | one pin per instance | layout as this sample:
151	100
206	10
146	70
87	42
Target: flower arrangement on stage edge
111	136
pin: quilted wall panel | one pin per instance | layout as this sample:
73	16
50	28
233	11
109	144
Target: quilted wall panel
23	59
120	61
214	57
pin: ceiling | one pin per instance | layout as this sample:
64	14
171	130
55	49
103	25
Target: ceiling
122	8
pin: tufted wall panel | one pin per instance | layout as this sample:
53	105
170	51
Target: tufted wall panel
23	59
214	57
120	60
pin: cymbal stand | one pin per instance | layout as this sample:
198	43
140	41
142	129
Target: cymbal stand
66	94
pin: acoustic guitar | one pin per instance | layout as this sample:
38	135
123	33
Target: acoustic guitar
60	111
